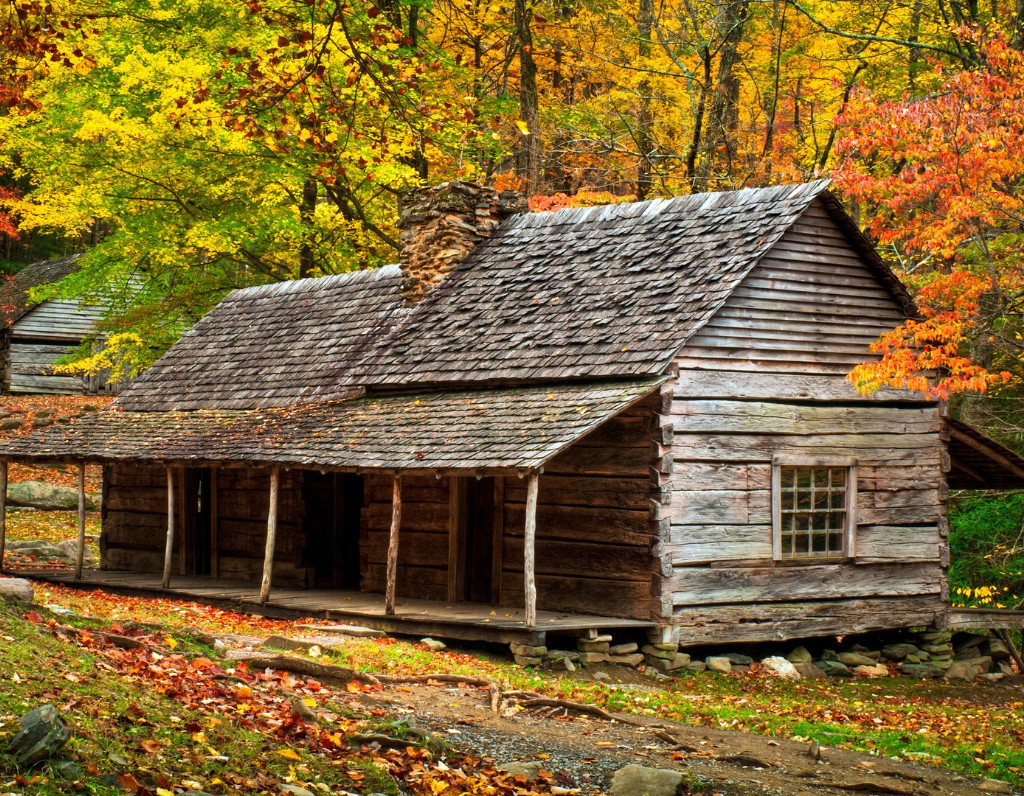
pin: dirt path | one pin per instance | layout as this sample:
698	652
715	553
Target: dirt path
584	752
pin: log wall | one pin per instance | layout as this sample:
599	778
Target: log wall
134	515
765	376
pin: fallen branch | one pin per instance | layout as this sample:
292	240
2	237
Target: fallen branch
678	744
495	694
577	706
398	679
287	663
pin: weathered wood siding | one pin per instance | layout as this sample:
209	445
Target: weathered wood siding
766	376
134	515
423	539
42	336
595	527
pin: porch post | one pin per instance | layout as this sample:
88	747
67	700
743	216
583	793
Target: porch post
169	549
268	559
80	554
3	511
396	521
529	541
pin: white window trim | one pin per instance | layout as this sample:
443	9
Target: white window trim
795	460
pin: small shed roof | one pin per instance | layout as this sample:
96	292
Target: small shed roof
492	429
274	345
979	462
14	292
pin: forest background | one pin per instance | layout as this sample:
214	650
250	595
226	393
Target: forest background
189	147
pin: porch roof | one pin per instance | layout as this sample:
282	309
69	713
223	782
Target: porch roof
979	462
518	428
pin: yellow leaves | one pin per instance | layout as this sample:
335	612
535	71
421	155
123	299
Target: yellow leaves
289	754
304	134
522	127
171	642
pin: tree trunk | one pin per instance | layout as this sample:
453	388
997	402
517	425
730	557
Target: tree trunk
645	116
724	116
530	167
307	211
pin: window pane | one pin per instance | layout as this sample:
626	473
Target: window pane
800	543
835	543
838	476
787	544
819	521
819	541
803	479
803	500
813	505
821	499
786	477
800	522
837	520
820	478
838	499
787	500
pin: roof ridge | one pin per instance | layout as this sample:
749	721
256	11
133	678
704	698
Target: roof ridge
650	208
315	283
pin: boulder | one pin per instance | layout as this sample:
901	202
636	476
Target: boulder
678	661
69	549
594	657
434	645
993	677
799	655
922	671
855	659
738	660
781	668
829	655
696	666
627	660
288	789
592	645
719	663
995	649
634	780
834	668
994	786
17	589
557	655
47	412
967	670
810	672
660	651
7	425
623	649
526	650
302	710
525	660
42	736
876	670
519	768
40	495
42	422
563	663
897	652
602	676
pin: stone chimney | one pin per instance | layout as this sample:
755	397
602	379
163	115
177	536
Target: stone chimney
441	225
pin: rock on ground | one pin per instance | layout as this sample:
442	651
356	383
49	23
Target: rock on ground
42	735
40	495
994	786
799	655
967	670
17	589
856	659
781	668
433	644
719	663
921	671
634	780
834	668
519	768
810	672
875	670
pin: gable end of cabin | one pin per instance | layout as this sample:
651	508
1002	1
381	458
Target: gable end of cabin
799	507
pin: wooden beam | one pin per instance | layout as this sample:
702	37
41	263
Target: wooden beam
396	521
214	511
458	516
80	553
169	549
984	449
498	539
965	469
3	511
268	558
529	544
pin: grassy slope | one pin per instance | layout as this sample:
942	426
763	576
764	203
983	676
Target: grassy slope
977	730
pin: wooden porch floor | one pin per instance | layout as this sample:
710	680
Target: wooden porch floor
465	621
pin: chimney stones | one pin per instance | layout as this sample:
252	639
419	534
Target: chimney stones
441	225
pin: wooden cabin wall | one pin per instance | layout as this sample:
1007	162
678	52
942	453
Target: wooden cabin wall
134	523
766	376
594	521
423	540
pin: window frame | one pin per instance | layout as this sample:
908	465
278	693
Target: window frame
780	461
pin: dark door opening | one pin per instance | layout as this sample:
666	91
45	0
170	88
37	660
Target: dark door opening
333	502
479	539
195	517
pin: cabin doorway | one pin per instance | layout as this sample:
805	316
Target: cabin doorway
196	507
472	547
333	503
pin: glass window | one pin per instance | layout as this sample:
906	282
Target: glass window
812	511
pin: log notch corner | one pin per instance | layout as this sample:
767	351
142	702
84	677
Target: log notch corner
660	502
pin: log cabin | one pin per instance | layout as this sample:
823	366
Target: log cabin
634	416
38	333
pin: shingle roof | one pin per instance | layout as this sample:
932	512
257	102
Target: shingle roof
504	428
14	298
274	345
594	292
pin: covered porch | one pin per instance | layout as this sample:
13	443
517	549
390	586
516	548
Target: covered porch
426	553
465	620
